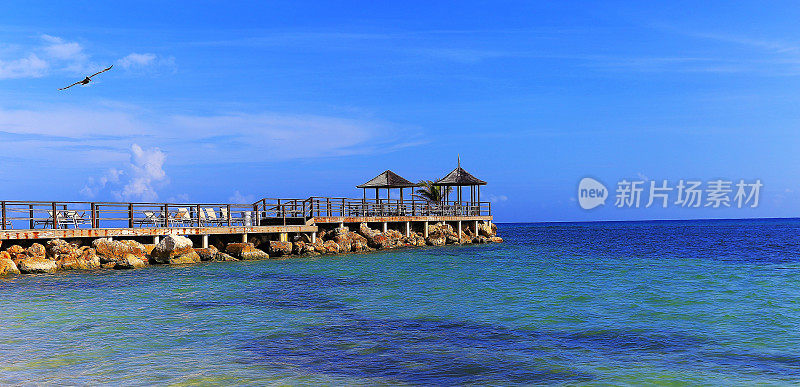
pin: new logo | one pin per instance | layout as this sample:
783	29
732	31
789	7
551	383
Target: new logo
591	193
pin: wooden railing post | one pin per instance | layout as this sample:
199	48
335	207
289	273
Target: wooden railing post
55	215
94	215
197	208
257	220
166	215
130	215
4	215
228	208
30	215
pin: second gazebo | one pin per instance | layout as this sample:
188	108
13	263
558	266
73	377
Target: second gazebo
460	178
388	180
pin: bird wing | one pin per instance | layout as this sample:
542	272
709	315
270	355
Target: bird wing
109	68
64	88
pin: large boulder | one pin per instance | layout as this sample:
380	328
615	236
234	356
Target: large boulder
32	265
36	251
7	266
331	247
174	250
484	229
213	254
441	233
83	258
415	239
245	251
375	238
148	248
342	238
130	261
111	251
319	247
496	239
71	257
278	248
58	248
16	253
480	239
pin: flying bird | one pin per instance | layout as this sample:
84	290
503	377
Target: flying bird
87	79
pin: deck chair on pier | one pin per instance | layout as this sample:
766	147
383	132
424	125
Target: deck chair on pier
150	218
211	216
72	217
181	218
44	222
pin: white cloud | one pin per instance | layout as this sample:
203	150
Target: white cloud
94	185
136	182
58	48
498	198
29	67
237	197
147	169
137	60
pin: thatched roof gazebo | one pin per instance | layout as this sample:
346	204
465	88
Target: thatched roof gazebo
461	178
387	179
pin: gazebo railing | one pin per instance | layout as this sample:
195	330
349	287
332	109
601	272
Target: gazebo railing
348	207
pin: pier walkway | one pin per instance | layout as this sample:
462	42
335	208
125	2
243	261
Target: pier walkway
22	220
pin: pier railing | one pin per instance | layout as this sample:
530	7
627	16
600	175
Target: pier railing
347	207
77	214
55	215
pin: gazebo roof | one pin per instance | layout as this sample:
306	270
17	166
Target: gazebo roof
387	179
459	177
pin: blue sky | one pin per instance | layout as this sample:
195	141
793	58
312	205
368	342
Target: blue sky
218	101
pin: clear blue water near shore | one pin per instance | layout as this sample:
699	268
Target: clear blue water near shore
698	302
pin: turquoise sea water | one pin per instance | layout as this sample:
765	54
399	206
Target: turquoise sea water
701	302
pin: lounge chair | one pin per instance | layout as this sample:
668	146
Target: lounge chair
211	216
44	222
71	217
150	218
181	218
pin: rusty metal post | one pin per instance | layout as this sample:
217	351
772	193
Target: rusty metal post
4	215
55	215
30	215
130	215
166	215
283	211
94	215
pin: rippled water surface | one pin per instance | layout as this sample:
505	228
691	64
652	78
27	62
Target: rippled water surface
711	302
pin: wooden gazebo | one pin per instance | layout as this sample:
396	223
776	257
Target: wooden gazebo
460	178
387	179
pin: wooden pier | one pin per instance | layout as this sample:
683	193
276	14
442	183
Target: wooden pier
36	220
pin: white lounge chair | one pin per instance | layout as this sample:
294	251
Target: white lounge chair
211	217
181	218
71	217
